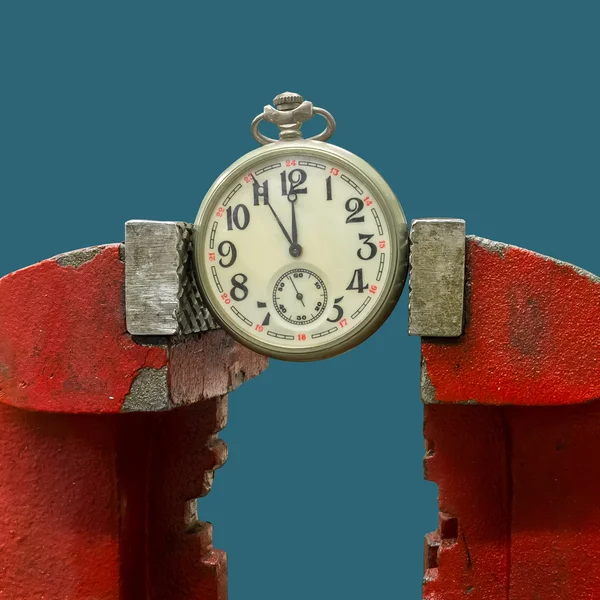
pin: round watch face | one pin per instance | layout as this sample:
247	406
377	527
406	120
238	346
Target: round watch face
301	250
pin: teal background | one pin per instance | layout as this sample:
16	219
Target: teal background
487	111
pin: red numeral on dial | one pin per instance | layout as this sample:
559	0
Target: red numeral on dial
226	298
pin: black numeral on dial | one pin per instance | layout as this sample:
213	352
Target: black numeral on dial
227	249
354	206
296	178
372	248
357	282
261	191
239	291
339	310
238	217
329	195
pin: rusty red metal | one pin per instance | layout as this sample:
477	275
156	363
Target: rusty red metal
511	434
95	502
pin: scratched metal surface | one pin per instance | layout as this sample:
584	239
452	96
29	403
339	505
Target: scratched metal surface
161	294
437	277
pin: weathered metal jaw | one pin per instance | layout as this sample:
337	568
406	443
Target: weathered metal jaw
437	277
161	293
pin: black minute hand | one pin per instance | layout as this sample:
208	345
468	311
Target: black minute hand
287	235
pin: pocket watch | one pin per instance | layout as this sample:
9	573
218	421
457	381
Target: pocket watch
300	246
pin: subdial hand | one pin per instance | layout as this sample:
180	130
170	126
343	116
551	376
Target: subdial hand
295	247
287	235
299	296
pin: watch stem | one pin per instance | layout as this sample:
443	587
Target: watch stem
288	101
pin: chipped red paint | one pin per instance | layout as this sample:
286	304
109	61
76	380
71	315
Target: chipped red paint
532	336
517	470
63	344
97	505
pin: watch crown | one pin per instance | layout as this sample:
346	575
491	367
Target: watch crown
288	101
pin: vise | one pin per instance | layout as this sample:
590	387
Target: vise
113	388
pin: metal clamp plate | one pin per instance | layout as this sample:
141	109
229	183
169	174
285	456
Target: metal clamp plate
437	277
161	294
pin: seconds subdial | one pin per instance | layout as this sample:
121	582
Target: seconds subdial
300	296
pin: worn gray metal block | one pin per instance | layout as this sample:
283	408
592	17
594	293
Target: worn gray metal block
161	294
437	277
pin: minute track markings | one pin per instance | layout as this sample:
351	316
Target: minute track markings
269	168
350	182
323	333
213	231
233	192
306	163
216	278
377	221
281	336
360	308
241	316
381	265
